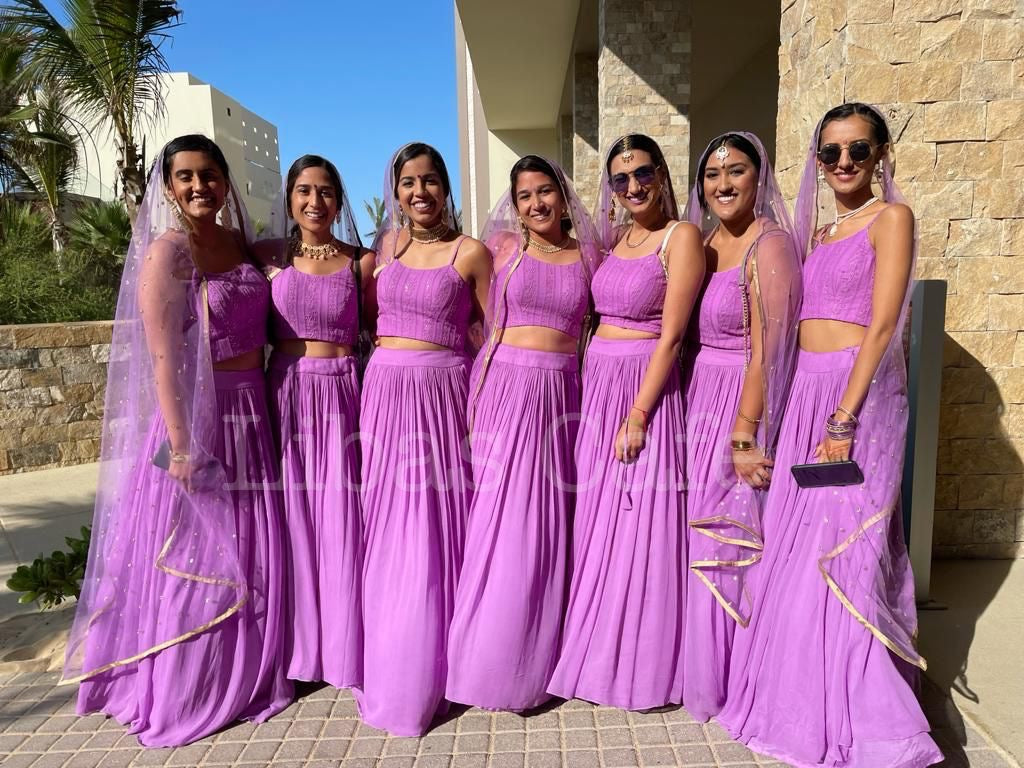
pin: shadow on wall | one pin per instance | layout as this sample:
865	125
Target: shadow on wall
978	493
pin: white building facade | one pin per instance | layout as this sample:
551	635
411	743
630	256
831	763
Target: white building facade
249	142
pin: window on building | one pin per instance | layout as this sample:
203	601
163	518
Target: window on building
248	187
229	111
257	148
243	123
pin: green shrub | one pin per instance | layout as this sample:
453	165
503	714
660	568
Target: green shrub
51	580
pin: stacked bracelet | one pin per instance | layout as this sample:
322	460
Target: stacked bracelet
749	420
840	430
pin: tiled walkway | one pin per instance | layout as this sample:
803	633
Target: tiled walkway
38	728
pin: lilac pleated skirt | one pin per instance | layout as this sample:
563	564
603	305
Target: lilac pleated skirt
234	670
714	383
315	409
809	684
622	642
505	633
415	504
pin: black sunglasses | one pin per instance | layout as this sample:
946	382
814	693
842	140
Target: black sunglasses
644	175
859	152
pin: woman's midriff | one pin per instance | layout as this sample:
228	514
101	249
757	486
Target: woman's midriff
312	348
401	342
606	331
538	337
830	335
244	362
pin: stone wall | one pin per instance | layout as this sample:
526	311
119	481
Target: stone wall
643	77
950	76
52	381
586	149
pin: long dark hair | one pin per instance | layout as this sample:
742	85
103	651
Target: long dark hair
650	146
194	142
538	164
735	141
879	130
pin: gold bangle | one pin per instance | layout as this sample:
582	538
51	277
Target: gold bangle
743	445
749	420
179	458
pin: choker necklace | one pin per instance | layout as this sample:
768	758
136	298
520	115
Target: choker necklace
315	252
642	239
531	243
431	235
840	218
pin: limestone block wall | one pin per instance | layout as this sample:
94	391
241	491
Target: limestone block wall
950	76
52	382
643	77
586	149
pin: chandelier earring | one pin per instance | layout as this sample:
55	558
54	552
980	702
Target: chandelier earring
181	224
401	219
821	174
611	210
879	174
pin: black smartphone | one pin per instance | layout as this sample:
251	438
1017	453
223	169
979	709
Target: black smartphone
827	473
162	457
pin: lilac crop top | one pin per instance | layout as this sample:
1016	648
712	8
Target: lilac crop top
549	295
630	293
239	301
718	321
839	278
430	305
314	307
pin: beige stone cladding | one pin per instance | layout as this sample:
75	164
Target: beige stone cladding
52	382
950	76
586	149
643	77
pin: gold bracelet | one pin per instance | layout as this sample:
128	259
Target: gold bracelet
179	458
743	445
749	420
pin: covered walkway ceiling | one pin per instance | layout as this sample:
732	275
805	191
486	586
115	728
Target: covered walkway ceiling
520	53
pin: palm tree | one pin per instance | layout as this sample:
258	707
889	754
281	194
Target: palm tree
47	157
107	61
13	109
376	212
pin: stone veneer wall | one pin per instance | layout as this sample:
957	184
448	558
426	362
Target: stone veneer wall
52	381
586	160
950	76
643	78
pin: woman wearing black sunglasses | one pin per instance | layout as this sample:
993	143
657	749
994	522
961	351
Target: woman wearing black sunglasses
820	677
622	642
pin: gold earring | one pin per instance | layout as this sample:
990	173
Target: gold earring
183	224
821	174
611	211
401	218
337	217
879	174
444	215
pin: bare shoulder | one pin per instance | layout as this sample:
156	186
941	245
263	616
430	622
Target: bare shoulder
686	241
893	224
474	253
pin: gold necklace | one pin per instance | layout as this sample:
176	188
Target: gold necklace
431	235
642	240
315	252
531	243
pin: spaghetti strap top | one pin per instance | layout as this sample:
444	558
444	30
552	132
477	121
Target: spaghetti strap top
549	295
431	305
630	293
839	279
315	307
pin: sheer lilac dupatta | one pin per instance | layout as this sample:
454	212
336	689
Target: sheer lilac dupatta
140	596
729	521
866	564
504	239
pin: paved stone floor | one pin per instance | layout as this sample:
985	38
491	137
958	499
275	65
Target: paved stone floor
38	728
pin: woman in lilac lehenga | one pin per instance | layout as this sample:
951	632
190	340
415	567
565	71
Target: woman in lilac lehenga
738	363
524	411
431	282
179	627
623	639
822	675
313	377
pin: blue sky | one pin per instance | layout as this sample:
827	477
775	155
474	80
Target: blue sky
350	80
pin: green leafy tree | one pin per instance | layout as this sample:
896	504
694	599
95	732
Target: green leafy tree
376	211
108	61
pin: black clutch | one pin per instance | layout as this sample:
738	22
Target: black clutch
827	473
